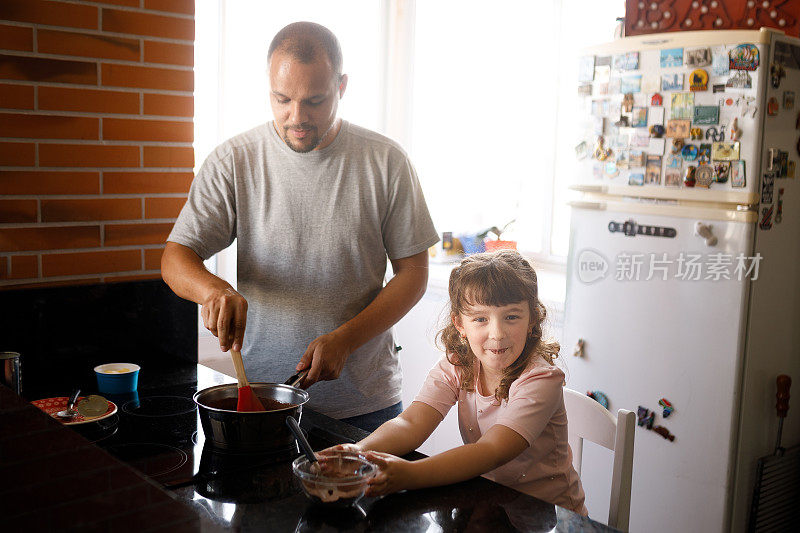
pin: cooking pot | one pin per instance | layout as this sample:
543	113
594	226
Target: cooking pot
251	431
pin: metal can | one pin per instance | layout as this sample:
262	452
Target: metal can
10	375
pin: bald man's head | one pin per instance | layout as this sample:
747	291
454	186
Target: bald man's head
304	41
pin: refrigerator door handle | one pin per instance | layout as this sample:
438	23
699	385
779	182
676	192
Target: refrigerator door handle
583	204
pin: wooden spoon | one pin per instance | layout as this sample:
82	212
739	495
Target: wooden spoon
247	399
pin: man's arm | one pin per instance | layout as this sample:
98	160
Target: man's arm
224	310
327	354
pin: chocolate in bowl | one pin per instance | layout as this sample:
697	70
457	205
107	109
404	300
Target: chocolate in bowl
229	404
339	480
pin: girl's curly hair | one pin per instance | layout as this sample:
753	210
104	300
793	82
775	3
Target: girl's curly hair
497	279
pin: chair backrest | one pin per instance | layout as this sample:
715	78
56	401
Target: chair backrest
589	420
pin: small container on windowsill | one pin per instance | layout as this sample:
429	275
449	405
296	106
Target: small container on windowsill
492	246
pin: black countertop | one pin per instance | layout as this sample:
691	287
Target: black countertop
53	479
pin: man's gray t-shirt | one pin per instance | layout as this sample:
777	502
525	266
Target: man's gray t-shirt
313	233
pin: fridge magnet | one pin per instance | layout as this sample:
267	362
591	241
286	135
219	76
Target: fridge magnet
688	176
725	151
614	85
737	174
627	102
657	130
598	125
682	105
640	139
772	106
601	88
740	79
602	73
722	170
623	159
664	432
636	178
657	100
677	145
597	171
599	397
689	152
638	159
578	350
767	188
672	177
779	210
749	105
783	165
639	117
699	57
766	218
698	80
704	176
644	417
623	122
678	128
610	170
719	62
735	130
586	69
672	57
652	174
704	153
650	83
718	88
631	83
655	115
601	153
716	135
602	61
582	150
626	61
600	108
696	134
674	161
776	74
743	57
585	89
656	146
788	99
705	115
790	173
671	82
667	406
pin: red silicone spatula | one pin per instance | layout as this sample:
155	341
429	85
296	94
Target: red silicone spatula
247	399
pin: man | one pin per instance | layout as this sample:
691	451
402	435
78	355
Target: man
317	204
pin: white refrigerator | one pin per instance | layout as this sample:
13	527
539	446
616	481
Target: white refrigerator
684	284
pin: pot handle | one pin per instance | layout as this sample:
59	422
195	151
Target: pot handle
297	378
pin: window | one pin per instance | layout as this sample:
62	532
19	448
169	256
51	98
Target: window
481	94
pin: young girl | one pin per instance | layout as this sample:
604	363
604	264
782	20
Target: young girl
501	374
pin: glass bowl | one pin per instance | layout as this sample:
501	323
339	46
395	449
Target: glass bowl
338	480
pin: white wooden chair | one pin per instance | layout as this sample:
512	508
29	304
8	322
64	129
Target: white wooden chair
591	421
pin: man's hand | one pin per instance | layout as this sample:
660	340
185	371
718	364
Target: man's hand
225	315
325	356
395	474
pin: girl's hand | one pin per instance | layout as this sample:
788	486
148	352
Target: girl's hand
395	474
345	447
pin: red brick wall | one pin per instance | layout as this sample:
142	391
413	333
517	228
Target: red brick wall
96	107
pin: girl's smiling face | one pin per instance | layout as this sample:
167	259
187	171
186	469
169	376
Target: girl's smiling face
496	334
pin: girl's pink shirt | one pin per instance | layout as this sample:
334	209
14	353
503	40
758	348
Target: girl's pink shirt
535	410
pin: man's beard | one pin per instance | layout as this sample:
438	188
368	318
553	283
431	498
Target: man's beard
315	141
